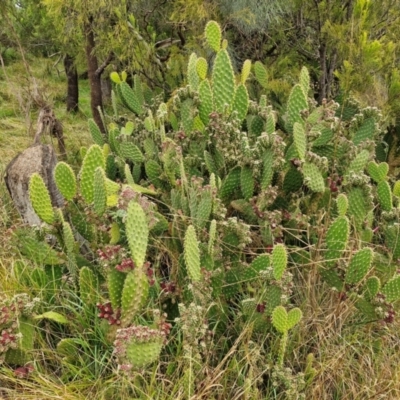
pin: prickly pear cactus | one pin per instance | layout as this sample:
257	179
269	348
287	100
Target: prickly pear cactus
192	254
40	199
137	232
65	180
93	159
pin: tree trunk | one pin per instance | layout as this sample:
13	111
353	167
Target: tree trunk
96	100
72	80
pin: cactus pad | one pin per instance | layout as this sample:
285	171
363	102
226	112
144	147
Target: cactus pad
336	239
378	172
213	35
97	136
137	232
93	159
40	198
261	74
297	102
65	180
241	102
247	182
384	195
392	289
359	266
99	191
202	67
192	254
279	260
134	295
115	283
223	81
300	140
342	204
372	286
245	71
313	177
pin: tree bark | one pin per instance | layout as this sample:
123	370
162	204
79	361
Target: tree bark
72	82
96	101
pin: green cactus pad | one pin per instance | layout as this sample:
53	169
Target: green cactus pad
261	263
95	131
257	125
114	76
384	194
223	81
280	319
99	191
128	174
396	189
272	298
131	152
193	77
304	80
212	234
313	177
358	205
365	132
359	163
192	254
187	116
115	283
246	69
331	277
261	74
270	124
336	239
293	318
210	163
324	138
372	287
68	237
129	98
65	180
204	209
206	101
378	172
137	232
279	260
359	266
297	102
213	35
392	240
115	233
40	198
93	159
342	204
138	91
300	140
247	182
230	184
88	285
134	295
141	354
268	170
202	67
293	180
241	102
392	290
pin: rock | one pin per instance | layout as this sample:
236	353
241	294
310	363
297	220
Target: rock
39	158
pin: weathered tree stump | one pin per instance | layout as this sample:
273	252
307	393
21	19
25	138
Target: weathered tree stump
40	158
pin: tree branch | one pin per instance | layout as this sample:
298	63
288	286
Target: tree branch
103	66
